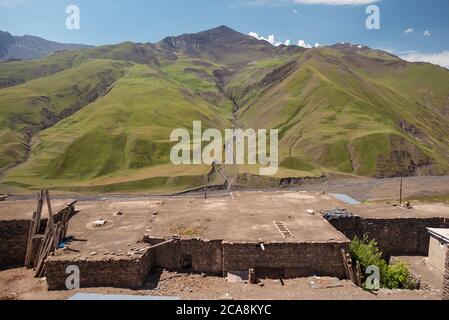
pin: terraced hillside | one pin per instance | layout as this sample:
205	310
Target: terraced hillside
99	119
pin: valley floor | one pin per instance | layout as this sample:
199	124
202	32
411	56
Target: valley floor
420	189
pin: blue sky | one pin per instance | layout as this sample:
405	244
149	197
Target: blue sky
312	21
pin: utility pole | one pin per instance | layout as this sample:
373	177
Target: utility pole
400	193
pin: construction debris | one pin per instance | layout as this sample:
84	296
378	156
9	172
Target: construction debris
100	222
252	276
237	277
55	231
353	272
337	214
407	205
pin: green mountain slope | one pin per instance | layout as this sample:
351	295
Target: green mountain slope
99	120
356	111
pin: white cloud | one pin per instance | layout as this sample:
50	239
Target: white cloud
427	33
441	59
302	43
409	30
271	39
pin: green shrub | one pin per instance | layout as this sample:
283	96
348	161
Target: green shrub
367	252
398	276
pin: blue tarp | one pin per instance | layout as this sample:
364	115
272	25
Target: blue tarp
115	297
345	198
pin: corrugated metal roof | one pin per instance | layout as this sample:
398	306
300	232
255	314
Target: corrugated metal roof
442	234
115	297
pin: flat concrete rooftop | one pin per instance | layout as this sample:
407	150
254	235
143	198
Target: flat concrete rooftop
23	210
244	217
419	211
248	217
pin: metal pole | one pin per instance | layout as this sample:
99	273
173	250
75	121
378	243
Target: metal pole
400	193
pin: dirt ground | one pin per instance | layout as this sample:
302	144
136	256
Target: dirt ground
19	284
369	189
419	266
360	188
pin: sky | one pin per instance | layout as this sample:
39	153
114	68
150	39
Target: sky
416	30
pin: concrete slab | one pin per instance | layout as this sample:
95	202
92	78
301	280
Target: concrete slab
23	210
250	217
437	210
125	225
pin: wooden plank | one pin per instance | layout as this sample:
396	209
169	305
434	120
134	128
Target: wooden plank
359	274
345	263
66	222
31	234
54	232
51	221
71	203
352	274
40	204
42	247
45	254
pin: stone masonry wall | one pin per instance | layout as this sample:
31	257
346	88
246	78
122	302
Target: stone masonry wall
396	237
446	278
14	238
111	272
13	242
193	254
288	260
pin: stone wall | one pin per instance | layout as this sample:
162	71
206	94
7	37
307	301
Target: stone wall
446	278
286	260
396	237
128	273
14	239
202	256
13	242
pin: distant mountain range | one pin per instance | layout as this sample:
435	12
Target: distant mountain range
99	119
30	47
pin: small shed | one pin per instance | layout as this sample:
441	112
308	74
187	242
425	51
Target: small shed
438	248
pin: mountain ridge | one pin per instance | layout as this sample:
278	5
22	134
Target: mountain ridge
29	47
105	124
